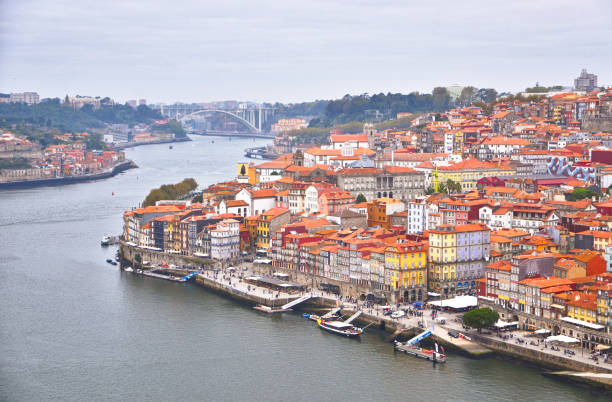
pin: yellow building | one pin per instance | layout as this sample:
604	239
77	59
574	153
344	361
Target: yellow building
406	264
269	222
583	307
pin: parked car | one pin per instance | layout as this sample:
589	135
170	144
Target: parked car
453	334
398	314
388	312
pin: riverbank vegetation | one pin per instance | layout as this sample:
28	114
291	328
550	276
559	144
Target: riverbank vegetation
170	192
14	163
53	113
41	122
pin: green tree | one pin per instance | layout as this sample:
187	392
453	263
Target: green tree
467	96
441	98
480	318
453	187
170	192
488	95
580	193
360	198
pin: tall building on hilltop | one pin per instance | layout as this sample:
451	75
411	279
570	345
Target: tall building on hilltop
30	98
585	81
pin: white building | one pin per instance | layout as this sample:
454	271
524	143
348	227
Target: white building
258	201
238	207
417	217
225	240
339	141
311	201
449	139
30	98
271	171
496	217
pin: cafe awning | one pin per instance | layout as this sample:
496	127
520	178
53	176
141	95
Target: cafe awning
582	323
562	338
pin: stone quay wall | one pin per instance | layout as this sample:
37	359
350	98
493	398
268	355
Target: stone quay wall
537	357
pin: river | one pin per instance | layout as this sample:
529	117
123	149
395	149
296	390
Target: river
74	328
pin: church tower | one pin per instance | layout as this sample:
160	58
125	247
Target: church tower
368	129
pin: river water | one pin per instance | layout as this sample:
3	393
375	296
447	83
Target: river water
74	328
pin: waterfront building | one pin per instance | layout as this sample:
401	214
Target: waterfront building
582	306
135	219
527	266
406	263
457	256
225	240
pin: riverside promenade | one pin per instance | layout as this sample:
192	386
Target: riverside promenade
232	284
479	345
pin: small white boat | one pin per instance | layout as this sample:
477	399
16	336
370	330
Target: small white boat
339	328
106	240
128	269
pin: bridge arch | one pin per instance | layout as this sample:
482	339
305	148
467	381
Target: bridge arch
204	111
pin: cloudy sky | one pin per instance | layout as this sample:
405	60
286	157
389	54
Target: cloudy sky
285	50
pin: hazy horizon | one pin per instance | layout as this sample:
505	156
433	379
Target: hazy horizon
201	51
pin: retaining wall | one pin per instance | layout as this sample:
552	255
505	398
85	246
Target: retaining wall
538	357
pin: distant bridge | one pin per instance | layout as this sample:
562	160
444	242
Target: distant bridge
214	133
256	119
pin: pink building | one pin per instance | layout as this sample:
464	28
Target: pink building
334	201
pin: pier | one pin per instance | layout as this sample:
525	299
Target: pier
260	153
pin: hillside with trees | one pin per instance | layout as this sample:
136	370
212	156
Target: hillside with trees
54	114
170	192
302	110
41	122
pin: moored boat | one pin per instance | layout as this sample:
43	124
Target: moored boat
339	328
427	354
106	240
